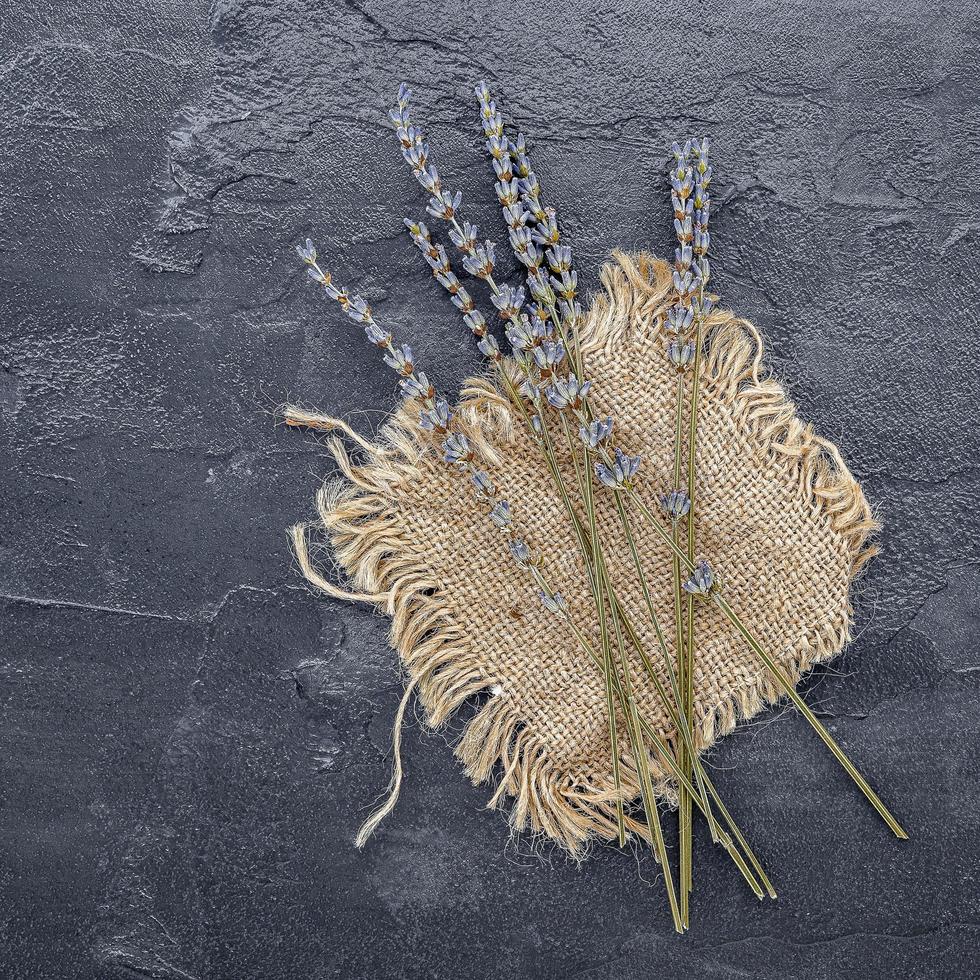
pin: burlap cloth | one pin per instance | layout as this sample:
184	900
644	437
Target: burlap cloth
778	513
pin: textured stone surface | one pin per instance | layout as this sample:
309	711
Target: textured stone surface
189	739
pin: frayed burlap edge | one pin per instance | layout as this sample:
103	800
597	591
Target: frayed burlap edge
376	555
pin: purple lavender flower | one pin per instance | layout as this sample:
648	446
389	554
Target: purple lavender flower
500	514
307	252
509	300
567	392
548	355
703	581
416	386
400	359
456	449
620	474
520	552
679	319
681	354
676	504
437	418
482	483
489	347
377	336
596	432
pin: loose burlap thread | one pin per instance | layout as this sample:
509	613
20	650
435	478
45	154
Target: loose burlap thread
778	513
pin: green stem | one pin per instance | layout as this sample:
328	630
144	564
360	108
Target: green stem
597	596
783	681
677	718
815	722
665	753
643	765
692	435
678	722
684	816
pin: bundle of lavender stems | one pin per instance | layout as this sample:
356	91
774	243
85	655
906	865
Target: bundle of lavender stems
550	395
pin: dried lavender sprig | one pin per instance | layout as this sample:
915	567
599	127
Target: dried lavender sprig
690	179
478	260
533	228
531	335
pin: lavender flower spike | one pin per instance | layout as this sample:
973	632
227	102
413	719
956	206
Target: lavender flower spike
619	476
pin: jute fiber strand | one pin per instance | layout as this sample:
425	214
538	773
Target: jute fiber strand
778	514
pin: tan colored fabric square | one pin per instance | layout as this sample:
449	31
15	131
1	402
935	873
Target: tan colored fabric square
778	514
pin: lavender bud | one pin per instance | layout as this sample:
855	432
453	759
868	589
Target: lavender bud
465	240
596	432
566	285
317	275
621	473
541	289
676	504
681	354
438	261
456	449
683	283
416	386
400	359
480	261
554	603
703	582
482	483
488	347
520	552
437	418
559	258
503	169
474	320
500	514
377	336
509	300
462	300
515	216
307	252
444	205
567	392
547	232
548	355
679	319
508	193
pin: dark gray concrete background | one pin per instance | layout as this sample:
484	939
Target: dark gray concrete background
189	737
